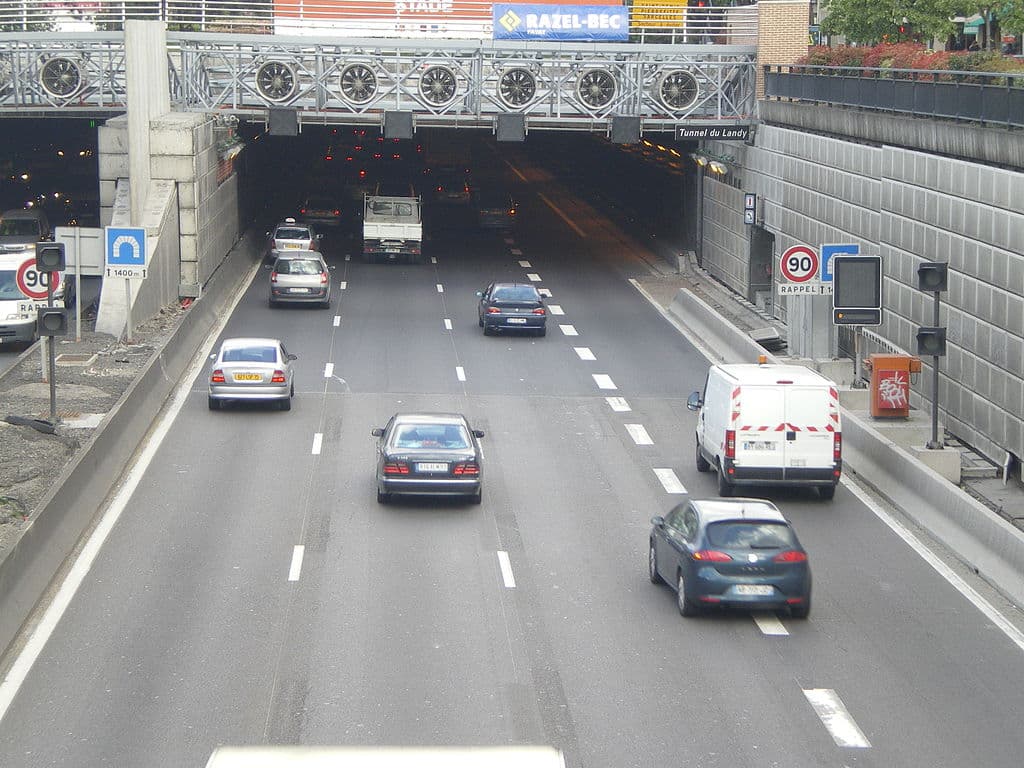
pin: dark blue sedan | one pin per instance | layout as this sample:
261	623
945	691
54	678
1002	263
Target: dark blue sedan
730	553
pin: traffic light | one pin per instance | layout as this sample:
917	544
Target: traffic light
49	257
52	321
931	341
933	276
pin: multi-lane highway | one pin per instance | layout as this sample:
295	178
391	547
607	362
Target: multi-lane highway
252	590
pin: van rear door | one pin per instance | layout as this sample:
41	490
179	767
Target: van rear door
808	436
758	413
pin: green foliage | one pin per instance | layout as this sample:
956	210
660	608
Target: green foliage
909	56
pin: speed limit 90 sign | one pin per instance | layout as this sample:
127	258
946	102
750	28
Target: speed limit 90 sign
32	283
799	264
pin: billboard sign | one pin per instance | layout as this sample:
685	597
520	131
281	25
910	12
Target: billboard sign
561	22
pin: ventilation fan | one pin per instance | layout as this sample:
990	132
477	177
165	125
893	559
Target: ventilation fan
517	87
276	81
61	77
437	86
678	90
596	88
358	83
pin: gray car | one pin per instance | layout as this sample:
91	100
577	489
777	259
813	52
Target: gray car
512	307
291	235
300	277
429	454
252	369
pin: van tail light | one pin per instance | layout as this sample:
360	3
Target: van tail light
790	556
278	377
396	468
540	311
217	377
730	443
466	468
711	556
837	446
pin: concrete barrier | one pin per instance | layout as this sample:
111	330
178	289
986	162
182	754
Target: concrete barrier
76	495
976	535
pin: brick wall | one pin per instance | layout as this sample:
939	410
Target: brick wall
782	34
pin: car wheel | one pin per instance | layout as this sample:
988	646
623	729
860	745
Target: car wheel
214	403
487	330
652	565
827	492
702	464
286	404
724	486
687	607
801	611
383	498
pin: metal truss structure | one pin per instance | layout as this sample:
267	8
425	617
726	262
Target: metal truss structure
450	83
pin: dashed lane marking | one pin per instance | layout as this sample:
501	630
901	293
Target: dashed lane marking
447	324
840	725
584	353
639	434
343	285
555	309
569	330
546	293
440	288
460	373
668	480
506	570
604	381
337	320
296	567
318	442
524	264
619	405
770	625
328	370
516	252
533	277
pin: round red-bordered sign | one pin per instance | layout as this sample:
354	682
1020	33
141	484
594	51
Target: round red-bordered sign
32	283
799	264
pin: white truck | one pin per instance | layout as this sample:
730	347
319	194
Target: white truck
761	424
392	229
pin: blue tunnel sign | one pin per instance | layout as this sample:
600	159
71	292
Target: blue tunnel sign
125	252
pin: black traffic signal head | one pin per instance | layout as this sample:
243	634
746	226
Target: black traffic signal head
933	276
49	257
931	341
52	321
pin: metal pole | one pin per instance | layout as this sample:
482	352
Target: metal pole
935	444
128	306
78	284
857	372
53	353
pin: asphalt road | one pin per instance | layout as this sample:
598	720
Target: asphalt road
197	627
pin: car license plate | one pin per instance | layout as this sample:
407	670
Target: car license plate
516	320
293	246
390	250
298	290
429	466
758	445
753	589
248	377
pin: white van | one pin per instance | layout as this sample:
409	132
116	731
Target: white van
386	757
769	425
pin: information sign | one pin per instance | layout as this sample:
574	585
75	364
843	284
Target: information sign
31	282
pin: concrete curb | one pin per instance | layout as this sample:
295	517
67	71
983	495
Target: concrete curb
80	490
981	539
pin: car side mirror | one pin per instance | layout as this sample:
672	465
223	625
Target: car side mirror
480	294
319	237
213	357
694	401
377	432
332	266
292	357
268	266
478	433
658	521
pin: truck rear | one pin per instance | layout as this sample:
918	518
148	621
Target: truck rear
392	229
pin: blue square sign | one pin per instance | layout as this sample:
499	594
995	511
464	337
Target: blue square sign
126	246
829	250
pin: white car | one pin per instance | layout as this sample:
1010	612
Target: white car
252	369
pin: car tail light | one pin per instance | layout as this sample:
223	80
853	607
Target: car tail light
837	446
790	556
794	600
323	278
440	188
337	212
217	377
711	556
273	277
540	311
493	311
466	468
396	468
730	443
278	377
302	211
511	211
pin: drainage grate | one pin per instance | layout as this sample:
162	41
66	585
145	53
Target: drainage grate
75	359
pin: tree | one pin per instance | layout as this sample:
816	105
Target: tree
872	21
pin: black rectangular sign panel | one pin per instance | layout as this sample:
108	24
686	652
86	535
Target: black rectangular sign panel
856	290
719	132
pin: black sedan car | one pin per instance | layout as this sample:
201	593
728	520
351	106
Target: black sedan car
429	454
512	307
735	552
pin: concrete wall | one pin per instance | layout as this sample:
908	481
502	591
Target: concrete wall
909	204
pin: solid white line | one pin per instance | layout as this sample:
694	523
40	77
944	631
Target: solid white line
447	324
524	264
961	586
836	719
584	353
296	568
555	309
328	370
533	277
639	434
619	405
562	216
318	441
516	252
669	481
506	570
770	625
569	330
545	292
460	373
337	320
440	288
343	285
604	381
80	569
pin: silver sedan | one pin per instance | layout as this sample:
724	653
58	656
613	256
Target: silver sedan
252	369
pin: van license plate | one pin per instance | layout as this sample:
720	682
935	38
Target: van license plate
758	445
798	462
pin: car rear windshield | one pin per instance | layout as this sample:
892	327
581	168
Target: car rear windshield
298	267
292	233
516	293
250	355
431	436
751	535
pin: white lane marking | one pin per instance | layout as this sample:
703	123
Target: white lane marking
555	309
19	670
524	264
669	481
562	216
296	567
506	569
433	259
440	288
569	330
604	381
460	373
584	353
447	324
337	320
639	434
328	370
509	241
619	405
770	625
546	293
318	442
516	252
533	277
1016	636
343	285
837	720
348	257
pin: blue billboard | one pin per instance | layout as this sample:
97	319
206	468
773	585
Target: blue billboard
560	22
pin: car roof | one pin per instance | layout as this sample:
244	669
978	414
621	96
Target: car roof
248	341
719	510
429	418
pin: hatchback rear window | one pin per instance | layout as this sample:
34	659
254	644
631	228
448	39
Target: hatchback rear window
250	355
292	233
298	267
751	535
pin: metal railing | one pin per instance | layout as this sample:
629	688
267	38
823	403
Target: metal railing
984	97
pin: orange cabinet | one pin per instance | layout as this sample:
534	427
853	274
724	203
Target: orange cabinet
890	384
